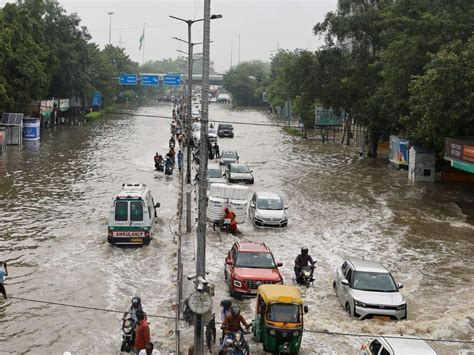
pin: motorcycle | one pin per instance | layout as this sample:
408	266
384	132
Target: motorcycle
172	143
160	165
306	276
169	169
128	335
235	345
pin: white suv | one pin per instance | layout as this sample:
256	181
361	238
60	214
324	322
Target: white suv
366	289
268	210
397	345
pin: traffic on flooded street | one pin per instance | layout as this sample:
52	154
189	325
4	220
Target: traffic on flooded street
339	207
303	186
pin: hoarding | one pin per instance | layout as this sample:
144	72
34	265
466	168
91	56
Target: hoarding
460	151
327	117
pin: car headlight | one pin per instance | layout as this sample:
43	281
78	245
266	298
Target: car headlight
402	307
360	304
296	333
237	283
272	332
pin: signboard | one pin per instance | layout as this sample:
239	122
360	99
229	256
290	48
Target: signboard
97	99
461	150
399	153
64	104
327	117
128	79
150	79
172	79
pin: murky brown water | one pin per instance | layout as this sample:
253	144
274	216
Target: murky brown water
55	196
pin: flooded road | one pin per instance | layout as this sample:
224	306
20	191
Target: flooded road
54	203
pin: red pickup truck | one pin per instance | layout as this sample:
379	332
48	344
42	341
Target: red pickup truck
249	265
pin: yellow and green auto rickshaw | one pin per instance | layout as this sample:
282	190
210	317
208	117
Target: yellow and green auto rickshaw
278	322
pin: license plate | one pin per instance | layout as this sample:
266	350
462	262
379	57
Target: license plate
384	318
136	240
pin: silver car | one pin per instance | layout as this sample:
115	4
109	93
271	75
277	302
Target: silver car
228	157
267	210
366	289
214	175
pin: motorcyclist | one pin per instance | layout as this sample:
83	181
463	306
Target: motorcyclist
229	214
132	310
226	306
168	162
301	261
172	143
231	325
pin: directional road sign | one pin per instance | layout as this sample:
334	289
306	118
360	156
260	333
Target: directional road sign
172	79
128	79
150	79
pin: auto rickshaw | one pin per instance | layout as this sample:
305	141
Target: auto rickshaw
278	322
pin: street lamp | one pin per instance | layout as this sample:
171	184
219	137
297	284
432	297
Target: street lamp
189	113
110	13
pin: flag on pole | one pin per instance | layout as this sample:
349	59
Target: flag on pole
142	37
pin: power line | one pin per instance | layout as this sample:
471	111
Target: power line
325	332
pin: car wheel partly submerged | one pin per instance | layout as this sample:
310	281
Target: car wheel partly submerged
348	310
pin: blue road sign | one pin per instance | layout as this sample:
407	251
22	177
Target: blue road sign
97	99
150	79
172	79
128	79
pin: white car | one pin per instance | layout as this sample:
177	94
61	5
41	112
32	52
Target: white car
212	134
214	175
396	345
267	210
366	289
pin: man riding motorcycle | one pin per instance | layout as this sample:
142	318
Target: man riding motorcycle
231	325
132	310
301	261
158	160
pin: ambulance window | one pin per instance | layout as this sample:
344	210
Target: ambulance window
121	211
136	211
375	346
384	352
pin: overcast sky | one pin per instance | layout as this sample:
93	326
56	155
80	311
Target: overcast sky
263	26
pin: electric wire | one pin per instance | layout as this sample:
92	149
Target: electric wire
316	331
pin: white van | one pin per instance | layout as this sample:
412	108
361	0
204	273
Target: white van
132	216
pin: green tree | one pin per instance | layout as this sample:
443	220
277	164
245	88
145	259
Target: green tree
442	99
247	82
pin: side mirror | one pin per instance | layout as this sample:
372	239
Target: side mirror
157	205
286	207
279	264
252	204
344	282
305	309
251	171
229	262
400	285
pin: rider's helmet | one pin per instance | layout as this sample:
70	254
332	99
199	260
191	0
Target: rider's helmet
136	301
235	311
304	250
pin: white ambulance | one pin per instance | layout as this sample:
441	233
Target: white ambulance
132	216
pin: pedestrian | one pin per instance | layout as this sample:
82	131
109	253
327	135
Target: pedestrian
149	350
180	160
142	332
216	151
3	273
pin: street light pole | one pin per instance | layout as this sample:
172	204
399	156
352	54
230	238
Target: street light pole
110	13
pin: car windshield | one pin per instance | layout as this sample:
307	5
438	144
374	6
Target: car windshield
225	126
373	281
281	312
255	260
269	204
212	130
214	173
239	169
229	155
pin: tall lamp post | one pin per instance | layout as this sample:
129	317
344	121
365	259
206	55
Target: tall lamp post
189	113
110	13
202	195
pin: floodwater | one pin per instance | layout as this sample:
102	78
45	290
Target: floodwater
55	198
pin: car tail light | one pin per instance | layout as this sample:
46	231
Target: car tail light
110	232
147	233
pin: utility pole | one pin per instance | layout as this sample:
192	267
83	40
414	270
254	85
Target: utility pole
110	13
238	61
202	192
188	128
